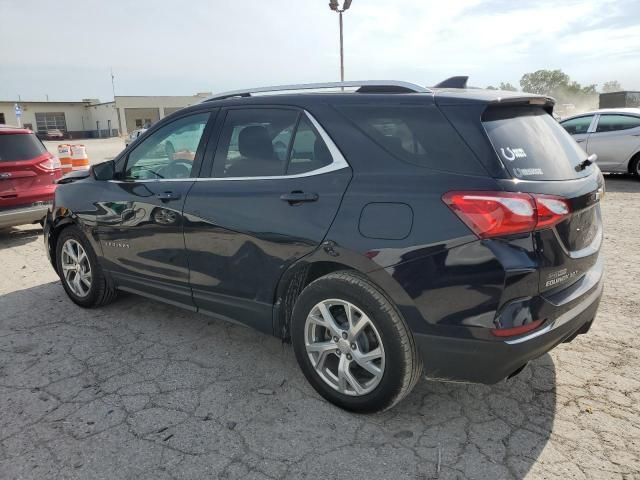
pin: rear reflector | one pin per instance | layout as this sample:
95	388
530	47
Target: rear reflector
496	214
512	332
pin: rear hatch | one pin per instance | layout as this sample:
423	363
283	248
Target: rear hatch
27	170
524	148
542	159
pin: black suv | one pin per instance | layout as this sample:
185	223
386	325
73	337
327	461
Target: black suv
385	229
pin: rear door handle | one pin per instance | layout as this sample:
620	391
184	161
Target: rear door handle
166	196
298	197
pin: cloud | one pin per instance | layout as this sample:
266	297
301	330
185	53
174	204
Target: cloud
164	47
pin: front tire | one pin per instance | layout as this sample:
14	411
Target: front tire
78	268
352	344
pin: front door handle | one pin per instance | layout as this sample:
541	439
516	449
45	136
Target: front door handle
166	196
298	197
581	140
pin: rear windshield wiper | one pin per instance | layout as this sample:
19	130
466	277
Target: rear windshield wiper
585	163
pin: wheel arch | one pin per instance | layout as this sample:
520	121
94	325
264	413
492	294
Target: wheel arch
634	158
59	221
325	260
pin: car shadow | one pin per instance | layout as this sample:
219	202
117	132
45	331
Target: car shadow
16	236
622	183
242	391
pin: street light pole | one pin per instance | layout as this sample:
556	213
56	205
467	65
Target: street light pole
341	51
333	5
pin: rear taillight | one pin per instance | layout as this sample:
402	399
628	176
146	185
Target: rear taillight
496	214
51	164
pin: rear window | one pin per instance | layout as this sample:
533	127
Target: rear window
532	145
416	134
21	146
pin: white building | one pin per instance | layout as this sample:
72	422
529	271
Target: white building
90	118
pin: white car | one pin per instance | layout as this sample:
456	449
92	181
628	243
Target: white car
133	136
612	134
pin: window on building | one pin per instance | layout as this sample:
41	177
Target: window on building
51	121
2	120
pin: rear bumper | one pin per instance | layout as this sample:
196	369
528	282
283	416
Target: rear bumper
489	361
23	215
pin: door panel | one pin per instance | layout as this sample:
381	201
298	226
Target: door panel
613	146
240	238
277	183
142	240
140	222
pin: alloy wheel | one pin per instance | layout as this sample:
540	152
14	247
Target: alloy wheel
344	347
76	268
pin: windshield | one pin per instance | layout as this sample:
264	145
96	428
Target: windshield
532	145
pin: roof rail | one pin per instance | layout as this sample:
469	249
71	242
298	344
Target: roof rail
366	86
453	82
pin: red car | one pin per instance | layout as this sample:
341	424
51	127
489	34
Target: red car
27	177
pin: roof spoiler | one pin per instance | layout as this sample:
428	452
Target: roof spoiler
454	82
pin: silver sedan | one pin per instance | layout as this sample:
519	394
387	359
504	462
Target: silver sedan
612	134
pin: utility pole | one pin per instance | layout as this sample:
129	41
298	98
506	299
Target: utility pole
113	85
334	5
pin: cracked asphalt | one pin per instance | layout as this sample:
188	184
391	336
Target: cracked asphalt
147	391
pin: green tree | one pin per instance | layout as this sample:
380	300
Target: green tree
507	86
612	86
544	82
503	86
559	85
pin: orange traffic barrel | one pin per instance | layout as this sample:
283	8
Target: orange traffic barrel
79	158
64	153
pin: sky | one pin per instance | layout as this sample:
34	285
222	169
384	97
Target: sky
67	48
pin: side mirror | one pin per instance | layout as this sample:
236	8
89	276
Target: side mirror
104	171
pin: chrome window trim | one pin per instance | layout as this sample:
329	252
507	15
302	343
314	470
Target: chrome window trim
338	163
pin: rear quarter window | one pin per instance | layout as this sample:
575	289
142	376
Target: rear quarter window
21	146
532	145
420	135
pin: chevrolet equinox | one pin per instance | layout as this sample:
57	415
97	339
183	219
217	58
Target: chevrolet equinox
387	230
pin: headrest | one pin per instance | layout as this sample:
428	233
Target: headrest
254	142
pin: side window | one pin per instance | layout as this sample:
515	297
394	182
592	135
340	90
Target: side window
418	134
577	125
255	142
309	152
168	152
613	123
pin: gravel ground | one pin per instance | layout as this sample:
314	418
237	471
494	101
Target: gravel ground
146	391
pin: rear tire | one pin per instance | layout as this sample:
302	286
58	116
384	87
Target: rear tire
78	268
365	360
634	166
